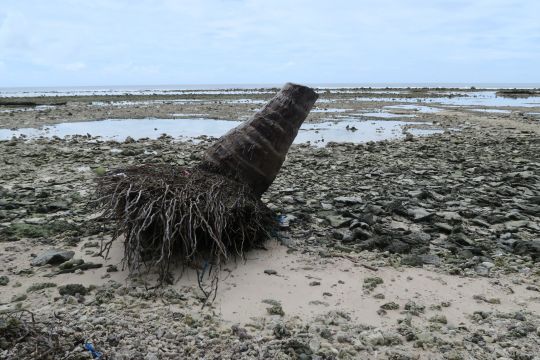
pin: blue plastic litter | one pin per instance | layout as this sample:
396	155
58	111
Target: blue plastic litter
205	267
95	354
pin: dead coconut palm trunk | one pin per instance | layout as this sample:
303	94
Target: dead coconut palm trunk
253	152
203	214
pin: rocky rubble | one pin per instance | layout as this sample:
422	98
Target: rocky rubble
462	203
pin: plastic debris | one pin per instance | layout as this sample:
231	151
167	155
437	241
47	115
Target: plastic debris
90	347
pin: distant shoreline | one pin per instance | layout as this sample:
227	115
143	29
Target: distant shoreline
490	86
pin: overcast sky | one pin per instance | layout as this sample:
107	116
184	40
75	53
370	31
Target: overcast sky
139	42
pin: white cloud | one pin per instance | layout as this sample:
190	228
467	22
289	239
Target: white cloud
219	41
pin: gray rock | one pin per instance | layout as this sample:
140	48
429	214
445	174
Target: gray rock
531	248
338	235
515	225
419	214
412	260
72	289
326	206
53	256
431	259
444	227
4	280
361	234
348	200
338	221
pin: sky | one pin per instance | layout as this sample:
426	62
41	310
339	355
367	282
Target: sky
140	42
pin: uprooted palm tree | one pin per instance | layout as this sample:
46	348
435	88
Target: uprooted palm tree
207	213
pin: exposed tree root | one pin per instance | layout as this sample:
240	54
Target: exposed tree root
171	214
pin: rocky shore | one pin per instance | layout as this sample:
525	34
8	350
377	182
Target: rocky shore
418	248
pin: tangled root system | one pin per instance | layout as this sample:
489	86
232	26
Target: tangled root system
171	214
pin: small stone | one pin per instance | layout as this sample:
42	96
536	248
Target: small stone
18	298
390	306
495	301
315	283
419	214
280	331
91	244
488	264
240	332
326	206
348	200
441	319
371	283
337	221
412	260
361	234
338	235
4	280
319	303
326	333
344	338
314	345
40	286
271	302
276	309
414	309
53	256
444	227
270	272
71	264
100	171
375	338
72	289
531	248
431	259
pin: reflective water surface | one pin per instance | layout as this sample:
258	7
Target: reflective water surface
347	130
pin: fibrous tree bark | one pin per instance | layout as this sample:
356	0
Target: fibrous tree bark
254	151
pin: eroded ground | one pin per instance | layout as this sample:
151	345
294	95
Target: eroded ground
416	248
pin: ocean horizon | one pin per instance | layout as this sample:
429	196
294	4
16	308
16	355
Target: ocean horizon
165	87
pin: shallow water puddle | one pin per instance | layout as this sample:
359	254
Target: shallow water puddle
482	98
385	115
188	115
417	108
350	130
486	98
243	101
329	110
495	111
128	103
